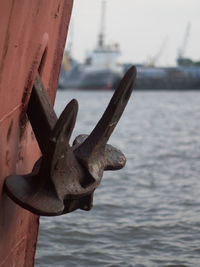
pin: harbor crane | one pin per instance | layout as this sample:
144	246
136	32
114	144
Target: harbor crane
154	59
181	50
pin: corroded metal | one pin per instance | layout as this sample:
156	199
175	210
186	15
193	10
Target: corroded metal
65	178
41	113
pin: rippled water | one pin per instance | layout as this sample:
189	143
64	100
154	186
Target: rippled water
147	214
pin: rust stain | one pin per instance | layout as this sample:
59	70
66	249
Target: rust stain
7	159
32	135
22	125
20	157
58	9
27	87
9	130
57	12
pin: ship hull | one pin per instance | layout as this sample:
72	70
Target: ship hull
174	78
33	35
102	79
167	84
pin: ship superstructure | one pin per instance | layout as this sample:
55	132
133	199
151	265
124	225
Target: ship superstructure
101	69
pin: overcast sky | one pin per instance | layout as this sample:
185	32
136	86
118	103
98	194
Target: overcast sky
143	28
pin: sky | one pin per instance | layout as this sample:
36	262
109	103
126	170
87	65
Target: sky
146	30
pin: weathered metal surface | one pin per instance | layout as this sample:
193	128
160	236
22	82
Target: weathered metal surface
33	35
91	152
41	113
65	178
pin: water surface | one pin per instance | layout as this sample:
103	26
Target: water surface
147	214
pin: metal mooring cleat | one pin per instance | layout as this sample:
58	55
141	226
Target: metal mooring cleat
65	177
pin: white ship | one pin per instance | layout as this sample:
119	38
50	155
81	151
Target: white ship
101	69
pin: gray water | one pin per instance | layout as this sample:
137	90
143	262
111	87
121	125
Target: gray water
147	214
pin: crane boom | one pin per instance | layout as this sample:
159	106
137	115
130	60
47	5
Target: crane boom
182	49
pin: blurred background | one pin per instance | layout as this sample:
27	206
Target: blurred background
147	214
106	37
141	28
